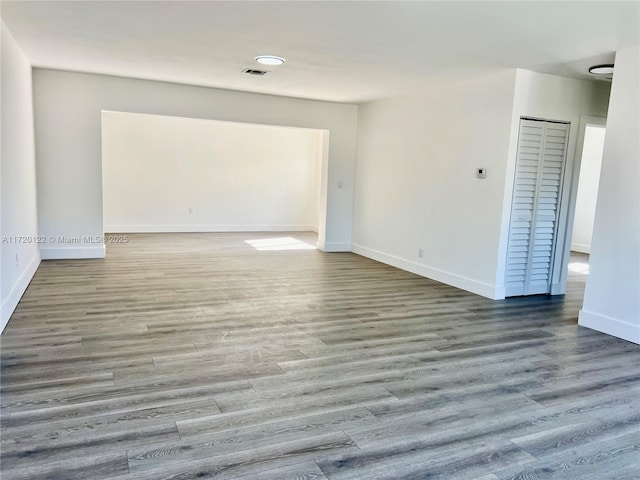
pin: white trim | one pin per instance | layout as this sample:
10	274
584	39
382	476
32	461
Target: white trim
563	251
63	253
17	291
333	247
580	247
207	228
557	288
610	326
458	281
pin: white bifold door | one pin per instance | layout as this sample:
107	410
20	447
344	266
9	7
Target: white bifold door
542	148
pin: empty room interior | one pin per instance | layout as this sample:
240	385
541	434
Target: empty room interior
320	240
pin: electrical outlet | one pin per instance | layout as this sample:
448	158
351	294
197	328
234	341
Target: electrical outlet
420	253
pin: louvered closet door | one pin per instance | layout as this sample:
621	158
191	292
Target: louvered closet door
534	211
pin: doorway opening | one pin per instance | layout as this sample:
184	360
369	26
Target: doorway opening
591	148
587	192
586	179
166	174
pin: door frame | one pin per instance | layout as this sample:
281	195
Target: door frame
568	206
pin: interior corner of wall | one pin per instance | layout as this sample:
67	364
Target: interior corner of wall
520	72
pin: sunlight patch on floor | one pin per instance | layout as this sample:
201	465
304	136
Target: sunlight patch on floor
280	243
579	267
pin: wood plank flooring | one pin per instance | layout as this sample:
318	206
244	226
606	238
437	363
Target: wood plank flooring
247	356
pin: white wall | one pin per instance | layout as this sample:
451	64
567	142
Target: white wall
587	188
416	186
19	258
415	180
68	145
553	98
171	174
612	295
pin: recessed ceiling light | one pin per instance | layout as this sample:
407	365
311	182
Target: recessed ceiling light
269	60
602	69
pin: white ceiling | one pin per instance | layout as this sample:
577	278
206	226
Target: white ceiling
337	51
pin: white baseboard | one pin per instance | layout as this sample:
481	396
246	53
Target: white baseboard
610	326
207	228
334	247
458	281
10	304
581	247
63	253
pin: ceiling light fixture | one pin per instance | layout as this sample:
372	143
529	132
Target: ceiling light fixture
606	69
269	60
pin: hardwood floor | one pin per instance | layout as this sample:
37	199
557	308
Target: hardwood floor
185	356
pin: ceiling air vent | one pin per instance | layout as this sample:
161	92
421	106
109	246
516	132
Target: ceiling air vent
252	71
